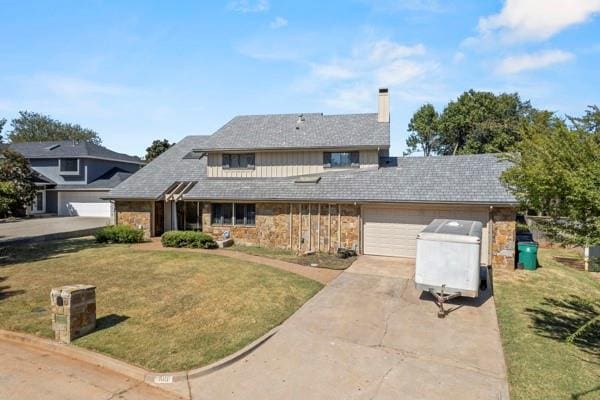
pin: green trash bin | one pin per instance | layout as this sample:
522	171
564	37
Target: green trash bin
528	255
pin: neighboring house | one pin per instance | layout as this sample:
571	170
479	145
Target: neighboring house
314	182
73	177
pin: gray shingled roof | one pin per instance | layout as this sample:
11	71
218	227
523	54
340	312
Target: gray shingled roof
110	179
443	179
154	179
283	131
68	148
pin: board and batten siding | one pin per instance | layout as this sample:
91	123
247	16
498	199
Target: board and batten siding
284	163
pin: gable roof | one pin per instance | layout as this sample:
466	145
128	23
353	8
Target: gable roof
156	178
442	179
284	131
110	179
68	148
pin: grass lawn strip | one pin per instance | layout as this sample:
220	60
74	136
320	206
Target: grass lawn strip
323	260
162	310
537	311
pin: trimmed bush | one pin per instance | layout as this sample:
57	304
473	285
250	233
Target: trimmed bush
191	239
119	234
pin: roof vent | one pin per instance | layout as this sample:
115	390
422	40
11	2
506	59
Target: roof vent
300	119
54	146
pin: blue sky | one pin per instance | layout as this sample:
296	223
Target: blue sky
138	70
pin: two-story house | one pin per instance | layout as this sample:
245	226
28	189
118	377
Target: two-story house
73	177
314	182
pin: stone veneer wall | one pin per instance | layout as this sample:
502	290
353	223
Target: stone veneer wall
313	227
504	237
136	214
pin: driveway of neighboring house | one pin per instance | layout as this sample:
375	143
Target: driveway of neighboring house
35	229
371	334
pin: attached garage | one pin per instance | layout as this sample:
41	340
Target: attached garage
84	204
392	230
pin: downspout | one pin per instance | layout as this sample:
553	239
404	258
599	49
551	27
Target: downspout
299	226
309	227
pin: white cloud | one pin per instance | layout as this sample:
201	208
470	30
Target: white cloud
278	22
458	57
536	20
527	62
248	6
349	83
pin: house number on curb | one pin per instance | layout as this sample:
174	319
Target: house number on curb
163	379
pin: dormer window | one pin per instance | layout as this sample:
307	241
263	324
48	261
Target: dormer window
69	166
341	159
238	161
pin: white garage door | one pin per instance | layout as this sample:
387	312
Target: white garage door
83	204
392	231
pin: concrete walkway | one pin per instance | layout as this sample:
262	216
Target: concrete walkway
27	373
370	334
322	275
50	228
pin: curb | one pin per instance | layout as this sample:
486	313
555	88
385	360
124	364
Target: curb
162	380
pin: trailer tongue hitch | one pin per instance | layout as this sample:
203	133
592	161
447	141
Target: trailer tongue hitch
441	298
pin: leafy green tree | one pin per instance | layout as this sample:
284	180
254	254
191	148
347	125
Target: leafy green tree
157	148
424	130
2	123
556	171
482	122
17	189
589	122
34	127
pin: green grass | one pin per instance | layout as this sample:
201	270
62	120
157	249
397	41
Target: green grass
537	311
324	260
161	310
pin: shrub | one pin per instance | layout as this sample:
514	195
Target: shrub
190	239
119	234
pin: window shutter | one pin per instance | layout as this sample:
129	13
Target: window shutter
226	161
355	158
326	160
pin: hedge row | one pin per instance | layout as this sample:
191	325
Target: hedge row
191	239
119	234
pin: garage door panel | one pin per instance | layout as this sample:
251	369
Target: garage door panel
392	231
84	204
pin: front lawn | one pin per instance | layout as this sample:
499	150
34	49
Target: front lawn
162	310
537	311
322	260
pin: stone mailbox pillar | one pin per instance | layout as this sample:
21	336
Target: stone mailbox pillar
73	311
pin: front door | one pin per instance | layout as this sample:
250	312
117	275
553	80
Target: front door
39	202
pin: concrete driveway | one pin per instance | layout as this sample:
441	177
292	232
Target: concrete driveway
371	334
48	228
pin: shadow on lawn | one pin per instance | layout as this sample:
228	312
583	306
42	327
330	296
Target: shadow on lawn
559	318
30	252
5	294
110	320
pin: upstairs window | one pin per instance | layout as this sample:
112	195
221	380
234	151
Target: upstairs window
69	165
345	159
238	160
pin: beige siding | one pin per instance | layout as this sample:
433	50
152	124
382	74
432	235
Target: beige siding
392	230
277	164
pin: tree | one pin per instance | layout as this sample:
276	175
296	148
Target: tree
590	122
157	148
17	189
424	130
34	127
482	122
556	170
2	123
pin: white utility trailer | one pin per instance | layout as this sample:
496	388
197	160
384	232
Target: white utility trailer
448	260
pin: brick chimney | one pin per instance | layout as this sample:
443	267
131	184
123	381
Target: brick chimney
383	106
